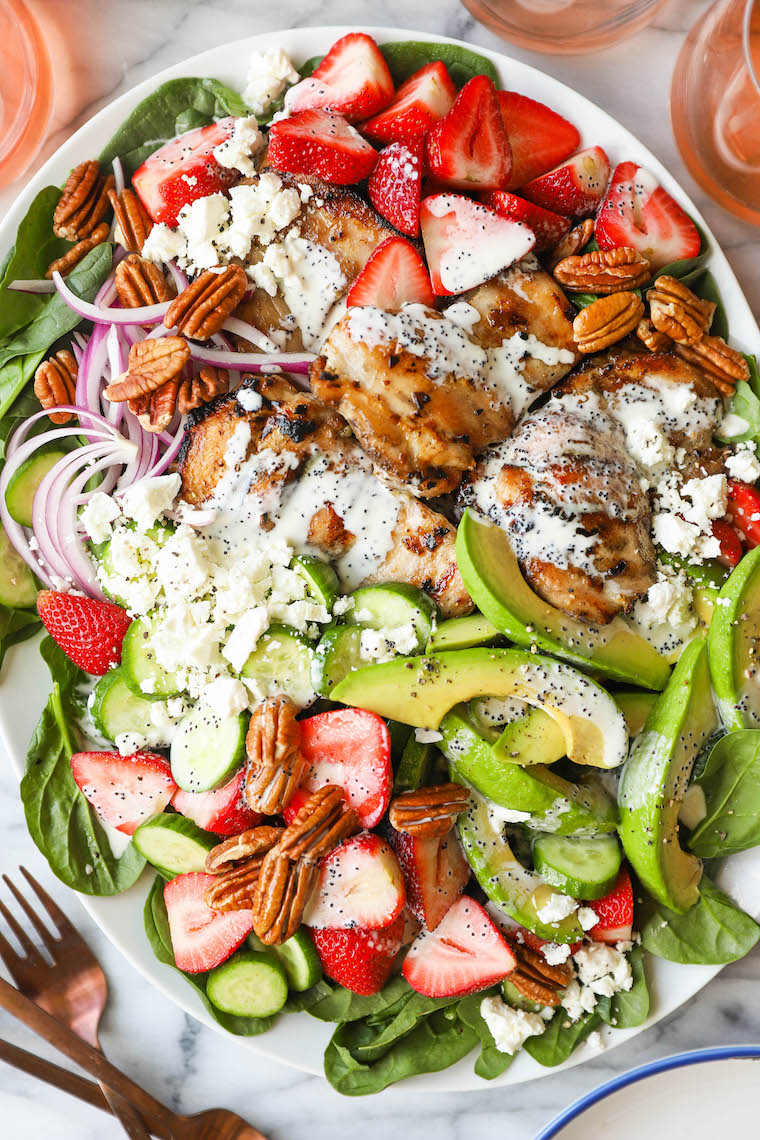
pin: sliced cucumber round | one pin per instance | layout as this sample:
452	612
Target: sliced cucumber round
23	484
282	663
140	667
392	606
414	766
321	580
249	984
337	654
173	845
298	958
206	749
584	867
17	585
116	708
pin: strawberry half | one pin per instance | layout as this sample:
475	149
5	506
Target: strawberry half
466	243
360	960
744	511
350	748
394	275
395	185
465	953
323	144
614	911
420	102
124	790
360	884
638	213
353	80
540	138
547	226
575	188
731	546
436	873
202	938
88	632
182	170
223	811
469	148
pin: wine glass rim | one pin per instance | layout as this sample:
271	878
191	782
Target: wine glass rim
746	37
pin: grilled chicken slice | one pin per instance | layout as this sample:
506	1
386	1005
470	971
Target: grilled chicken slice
570	498
288	464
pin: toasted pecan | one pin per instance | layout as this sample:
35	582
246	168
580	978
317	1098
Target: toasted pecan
606	321
140	283
678	312
197	390
200	310
603	271
234	889
723	364
654	340
239	849
71	258
236	863
321	824
55	383
155	410
152	363
428	812
282	893
131	218
571	243
275	764
83	203
534	990
533	962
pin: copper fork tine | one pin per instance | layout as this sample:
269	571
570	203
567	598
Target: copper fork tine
47	939
62	923
32	954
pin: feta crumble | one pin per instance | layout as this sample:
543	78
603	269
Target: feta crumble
510	1028
556	908
269	73
236	151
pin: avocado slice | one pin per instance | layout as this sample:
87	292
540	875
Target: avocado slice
420	690
635	706
655	779
529	736
492	575
551	802
463	633
733	644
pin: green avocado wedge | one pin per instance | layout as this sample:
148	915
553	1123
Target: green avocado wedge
463	633
493	578
655	779
733	646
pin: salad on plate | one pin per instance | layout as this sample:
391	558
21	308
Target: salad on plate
377	461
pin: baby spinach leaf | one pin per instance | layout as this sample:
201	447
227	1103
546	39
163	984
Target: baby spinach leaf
390	1027
16	626
60	820
36	246
343	1005
628	1008
168	111
159	938
492	1062
14	377
561	1037
407	56
730	782
713	932
303	1001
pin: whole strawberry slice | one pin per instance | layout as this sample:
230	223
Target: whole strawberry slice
124	790
614	911
323	144
436	873
89	632
469	148
360	960
353	79
360	885
394	275
182	170
223	811
420	102
466	243
350	748
575	188
202	938
540	138
547	226
639	213
464	953
395	185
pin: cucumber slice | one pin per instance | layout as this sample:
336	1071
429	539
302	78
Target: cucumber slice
116	708
282	663
414	768
391	606
337	655
585	868
298	958
321	579
207	750
17	585
173	844
140	666
249	984
23	484
463	633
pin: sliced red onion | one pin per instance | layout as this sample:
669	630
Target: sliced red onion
171	453
145	315
180	280
46	519
250	333
297	362
118	175
33	285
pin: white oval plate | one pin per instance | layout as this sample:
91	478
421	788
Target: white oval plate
299	1040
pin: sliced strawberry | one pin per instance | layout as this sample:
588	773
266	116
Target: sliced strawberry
744	510
575	188
182	170
420	102
360	884
731	548
350	748
353	80
547	227
436	873
298	799
395	185
466	243
323	144
223	811
124	790
394	275
614	911
463	954
540	139
202	938
88	632
637	212
360	960
469	148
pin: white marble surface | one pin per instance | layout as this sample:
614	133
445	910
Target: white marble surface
118	43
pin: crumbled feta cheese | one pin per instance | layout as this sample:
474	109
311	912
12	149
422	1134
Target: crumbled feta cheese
129	742
148	499
427	735
648	444
744	466
203	224
226	696
244	636
98	514
164	244
732	425
235	152
556	908
510	1028
603	969
384	644
182	566
556	953
578	1000
668	601
587	917
269	73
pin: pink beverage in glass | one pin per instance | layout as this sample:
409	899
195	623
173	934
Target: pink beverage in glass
715	105
26	89
564	27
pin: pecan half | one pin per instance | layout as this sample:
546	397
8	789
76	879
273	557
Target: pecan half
131	218
73	256
606	321
536	979
571	243
283	890
83	203
235	889
152	363
321	824
429	812
237	864
197	390
275	764
654	340
140	282
603	271
677	312
55	383
155	410
201	309
534	990
239	849
724	365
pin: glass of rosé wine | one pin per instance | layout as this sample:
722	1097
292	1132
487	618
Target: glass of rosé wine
564	27
26	89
